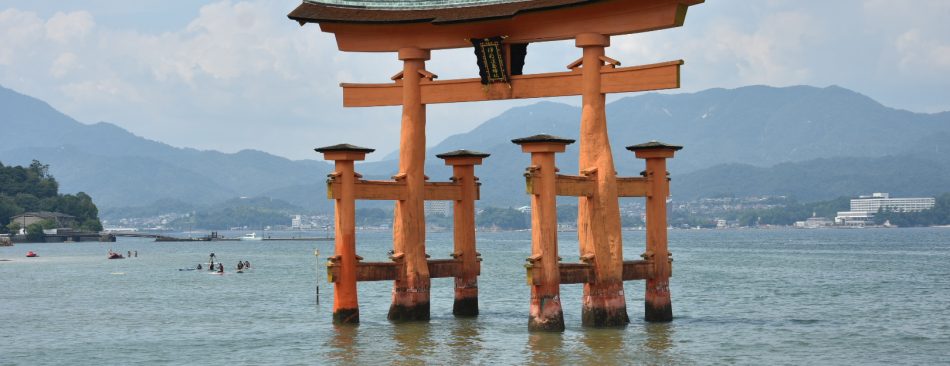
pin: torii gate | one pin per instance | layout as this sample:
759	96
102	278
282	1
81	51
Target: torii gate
412	29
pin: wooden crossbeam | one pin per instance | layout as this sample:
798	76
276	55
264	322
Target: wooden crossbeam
658	76
571	273
583	186
573	185
637	270
565	185
632	187
370	190
388	271
576	273
396	190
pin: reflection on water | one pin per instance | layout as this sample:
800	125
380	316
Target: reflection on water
466	341
414	343
544	348
659	340
604	345
343	341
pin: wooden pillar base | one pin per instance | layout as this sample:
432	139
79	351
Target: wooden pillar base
604	305
466	299
546	314
657	304
410	304
346	316
465	307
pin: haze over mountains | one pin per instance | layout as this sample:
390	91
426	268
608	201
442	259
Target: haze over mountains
812	143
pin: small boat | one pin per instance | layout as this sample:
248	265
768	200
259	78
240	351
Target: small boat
114	255
251	236
31	254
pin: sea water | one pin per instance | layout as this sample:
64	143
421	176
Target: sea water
764	297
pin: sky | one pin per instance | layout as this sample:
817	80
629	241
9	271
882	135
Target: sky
234	75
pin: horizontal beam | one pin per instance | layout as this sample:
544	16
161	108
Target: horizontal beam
576	273
632	187
388	271
565	185
582	186
637	270
443	191
396	190
664	75
575	186
571	273
370	190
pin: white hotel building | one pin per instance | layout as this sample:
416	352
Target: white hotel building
863	208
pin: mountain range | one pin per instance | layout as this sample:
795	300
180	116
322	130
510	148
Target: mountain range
808	142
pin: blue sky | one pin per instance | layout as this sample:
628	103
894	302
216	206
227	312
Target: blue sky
233	75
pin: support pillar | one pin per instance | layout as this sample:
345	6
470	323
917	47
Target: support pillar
598	216
544	275
411	288
345	305
466	282
657	305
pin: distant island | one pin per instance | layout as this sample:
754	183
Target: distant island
31	205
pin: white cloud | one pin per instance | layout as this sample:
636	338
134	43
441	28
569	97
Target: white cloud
63	27
63	65
20	30
922	55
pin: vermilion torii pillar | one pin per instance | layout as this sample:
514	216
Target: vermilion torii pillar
598	215
345	305
544	276
411	288
657	305
466	282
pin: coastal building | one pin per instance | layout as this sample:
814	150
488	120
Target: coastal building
879	201
295	222
28	218
863	208
814	223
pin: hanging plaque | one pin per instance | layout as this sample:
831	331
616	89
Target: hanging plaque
491	60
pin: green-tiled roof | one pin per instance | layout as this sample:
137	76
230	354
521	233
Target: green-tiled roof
409	5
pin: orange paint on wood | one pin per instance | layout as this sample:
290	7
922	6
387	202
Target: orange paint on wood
389	271
396	190
545	307
665	75
657	302
466	283
411	288
632	187
598	223
344	289
576	186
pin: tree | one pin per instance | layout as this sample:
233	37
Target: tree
13	227
503	218
34	233
33	189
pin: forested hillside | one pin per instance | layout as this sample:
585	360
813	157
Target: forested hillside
32	189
